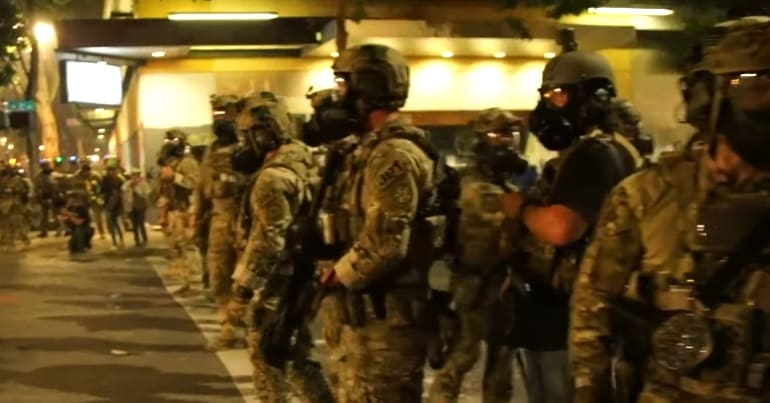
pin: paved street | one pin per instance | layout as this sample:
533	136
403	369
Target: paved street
107	330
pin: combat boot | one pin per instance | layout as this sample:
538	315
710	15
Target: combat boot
226	339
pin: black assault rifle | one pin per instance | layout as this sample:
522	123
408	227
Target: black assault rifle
302	296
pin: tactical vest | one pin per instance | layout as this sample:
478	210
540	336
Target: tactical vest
686	236
286	157
558	266
435	226
225	183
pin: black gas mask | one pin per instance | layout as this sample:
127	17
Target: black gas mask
224	127
565	113
497	152
259	140
554	119
332	119
173	147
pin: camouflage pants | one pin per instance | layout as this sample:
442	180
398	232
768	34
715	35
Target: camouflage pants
184	254
220	263
498	368
21	223
14	225
330	314
381	361
303	377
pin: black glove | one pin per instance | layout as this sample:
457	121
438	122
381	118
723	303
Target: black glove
243	294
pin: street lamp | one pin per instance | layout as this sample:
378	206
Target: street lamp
44	32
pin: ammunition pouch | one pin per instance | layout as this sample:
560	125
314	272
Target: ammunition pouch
398	306
224	186
335	227
181	200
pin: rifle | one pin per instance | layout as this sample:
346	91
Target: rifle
303	294
444	326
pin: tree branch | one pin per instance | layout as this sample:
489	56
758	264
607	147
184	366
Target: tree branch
24	66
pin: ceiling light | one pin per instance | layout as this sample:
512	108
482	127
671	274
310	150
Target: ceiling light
499	55
222	16
102	130
158	53
549	55
447	54
99	110
630	11
100	137
241	47
41	148
335	54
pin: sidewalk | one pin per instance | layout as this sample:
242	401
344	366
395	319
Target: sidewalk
105	330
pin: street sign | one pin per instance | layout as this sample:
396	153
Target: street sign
26	105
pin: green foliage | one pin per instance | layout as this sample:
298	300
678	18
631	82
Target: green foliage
12	38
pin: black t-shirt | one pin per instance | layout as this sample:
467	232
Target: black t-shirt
588	175
82	213
586	178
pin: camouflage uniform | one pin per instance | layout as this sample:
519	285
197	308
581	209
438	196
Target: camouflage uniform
665	230
486	241
220	190
179	193
45	189
89	182
13	224
279	188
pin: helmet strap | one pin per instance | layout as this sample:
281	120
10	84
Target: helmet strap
716	107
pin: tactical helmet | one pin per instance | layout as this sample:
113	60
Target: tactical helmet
377	76
497	140
221	101
574	67
728	91
265	110
266	122
176	134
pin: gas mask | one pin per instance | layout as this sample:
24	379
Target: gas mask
226	131
332	119
554	120
497	152
250	154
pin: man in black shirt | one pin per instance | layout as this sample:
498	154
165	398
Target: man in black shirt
572	118
78	219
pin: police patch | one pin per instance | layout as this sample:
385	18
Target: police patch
395	170
491	203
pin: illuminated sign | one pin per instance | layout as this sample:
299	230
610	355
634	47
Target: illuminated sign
93	83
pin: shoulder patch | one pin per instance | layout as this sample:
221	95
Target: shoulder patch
396	169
